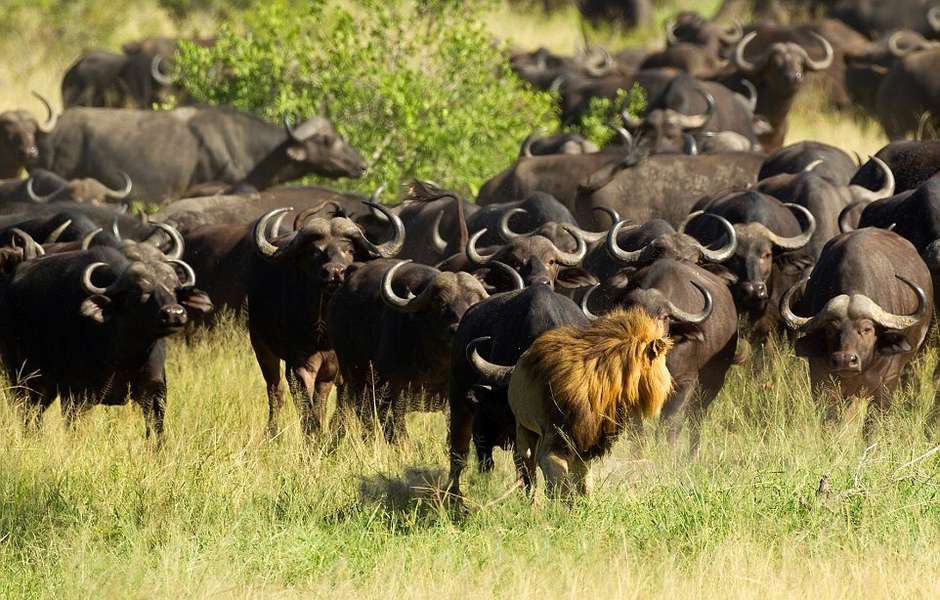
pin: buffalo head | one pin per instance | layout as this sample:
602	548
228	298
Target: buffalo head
664	130
784	64
679	245
324	248
316	144
852	330
18	133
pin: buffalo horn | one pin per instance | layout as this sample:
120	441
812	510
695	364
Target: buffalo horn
410	304
53	237
190	280
157	74
51	117
492	373
87	239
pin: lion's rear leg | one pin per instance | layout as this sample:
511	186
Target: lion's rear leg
527	443
554	466
581	476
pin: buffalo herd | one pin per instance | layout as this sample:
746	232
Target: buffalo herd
587	286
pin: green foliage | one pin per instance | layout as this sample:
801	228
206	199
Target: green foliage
595	123
418	87
181	9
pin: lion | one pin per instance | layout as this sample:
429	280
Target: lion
575	388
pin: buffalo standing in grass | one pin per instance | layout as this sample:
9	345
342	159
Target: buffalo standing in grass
868	305
290	282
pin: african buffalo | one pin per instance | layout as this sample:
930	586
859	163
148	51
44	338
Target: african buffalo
770	254
512	321
702	323
290	281
909	91
911	162
19	138
535	144
829	162
392	324
868	302
166	152
90	326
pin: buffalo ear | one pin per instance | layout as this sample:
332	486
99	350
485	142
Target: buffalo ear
720	271
97	308
620	279
810	346
297	152
794	263
575	277
686	332
194	300
893	342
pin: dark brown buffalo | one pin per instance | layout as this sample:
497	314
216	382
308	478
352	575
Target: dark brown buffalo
909	91
90	327
543	68
770	255
876	19
702	323
19	133
663	186
577	91
392	325
778	71
690	27
830	162
868	308
290	281
511	321
865	69
825	200
435	223
911	162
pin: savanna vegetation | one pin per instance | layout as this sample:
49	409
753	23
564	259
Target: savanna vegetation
777	503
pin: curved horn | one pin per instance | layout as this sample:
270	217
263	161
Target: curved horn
789	317
586	302
604	68
800	240
526	149
844	225
158	75
51	116
115	229
721	254
671	39
699	120
122	193
887	188
615	251
682	316
571	259
819	65
437	240
473	255
491	372
742	63
53	237
190	280
305	214
91	288
87	239
613	214
811	166
503	228
30	248
410	304
394	245
623	134
690	146
751	99
514	275
630	121
31	193
933	18
263	246
176	249
733	33
290	129
894	44
893	321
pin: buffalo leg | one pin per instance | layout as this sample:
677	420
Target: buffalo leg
460	434
36	399
151	395
311	388
676	408
271	371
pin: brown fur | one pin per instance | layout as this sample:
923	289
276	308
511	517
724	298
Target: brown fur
592	379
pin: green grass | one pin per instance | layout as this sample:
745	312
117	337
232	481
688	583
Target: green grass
222	510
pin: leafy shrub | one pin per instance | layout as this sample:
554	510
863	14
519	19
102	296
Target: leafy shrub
419	87
594	124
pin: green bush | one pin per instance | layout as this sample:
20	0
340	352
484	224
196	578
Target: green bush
419	87
595	123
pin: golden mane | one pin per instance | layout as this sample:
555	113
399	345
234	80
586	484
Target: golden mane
599	375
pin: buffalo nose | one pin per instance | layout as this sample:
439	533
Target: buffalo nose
755	289
173	316
332	273
845	361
